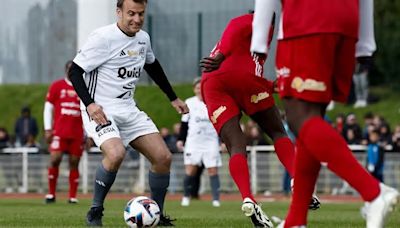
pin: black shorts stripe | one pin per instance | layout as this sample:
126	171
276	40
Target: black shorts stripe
96	74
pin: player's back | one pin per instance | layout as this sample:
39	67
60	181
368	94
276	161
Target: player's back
308	17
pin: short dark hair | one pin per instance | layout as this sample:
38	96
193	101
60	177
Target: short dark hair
120	3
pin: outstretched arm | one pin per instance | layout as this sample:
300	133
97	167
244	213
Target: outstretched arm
156	73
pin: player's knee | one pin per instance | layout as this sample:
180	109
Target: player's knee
163	160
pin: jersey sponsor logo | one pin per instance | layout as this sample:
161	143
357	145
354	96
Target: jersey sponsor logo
309	84
142	43
217	113
70	112
257	98
124	73
283	72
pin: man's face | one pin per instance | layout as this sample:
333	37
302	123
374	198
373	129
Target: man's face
131	17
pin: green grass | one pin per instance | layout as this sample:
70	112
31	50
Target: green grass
34	213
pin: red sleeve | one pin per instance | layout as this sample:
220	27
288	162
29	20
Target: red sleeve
232	34
51	93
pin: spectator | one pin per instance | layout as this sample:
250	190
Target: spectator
351	124
385	135
368	122
396	138
4	138
26	128
339	122
375	156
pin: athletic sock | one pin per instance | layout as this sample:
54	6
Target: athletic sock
188	185
327	146
102	184
306	174
285	151
73	182
158	187
52	176
214	181
240	173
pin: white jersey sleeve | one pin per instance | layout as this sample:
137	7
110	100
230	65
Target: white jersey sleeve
48	115
263	13
366	45
185	117
94	52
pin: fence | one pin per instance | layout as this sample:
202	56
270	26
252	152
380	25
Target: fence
24	170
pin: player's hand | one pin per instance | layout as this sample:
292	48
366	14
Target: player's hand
209	64
179	145
180	106
95	112
48	135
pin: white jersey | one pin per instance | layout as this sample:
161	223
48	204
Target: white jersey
113	63
201	134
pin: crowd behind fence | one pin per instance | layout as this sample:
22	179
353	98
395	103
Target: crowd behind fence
25	170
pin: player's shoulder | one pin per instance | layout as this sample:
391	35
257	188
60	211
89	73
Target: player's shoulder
143	34
245	18
58	82
104	31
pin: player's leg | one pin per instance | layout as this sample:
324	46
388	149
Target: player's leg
190	175
52	173
197	182
153	147
271	123
75	153
215	185
108	139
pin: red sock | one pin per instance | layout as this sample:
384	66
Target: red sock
240	173
326	145
52	176
284	149
73	182
306	173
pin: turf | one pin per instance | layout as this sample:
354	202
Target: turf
34	213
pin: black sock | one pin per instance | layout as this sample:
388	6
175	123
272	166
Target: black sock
188	185
214	180
102	184
158	187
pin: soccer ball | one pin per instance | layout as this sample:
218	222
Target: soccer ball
142	211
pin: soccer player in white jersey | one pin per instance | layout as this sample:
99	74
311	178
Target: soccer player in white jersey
112	61
201	146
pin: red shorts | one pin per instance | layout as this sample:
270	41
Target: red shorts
70	145
227	94
317	68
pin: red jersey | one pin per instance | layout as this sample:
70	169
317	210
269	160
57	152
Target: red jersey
235	45
300	18
67	121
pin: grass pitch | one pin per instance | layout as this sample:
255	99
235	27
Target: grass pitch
34	213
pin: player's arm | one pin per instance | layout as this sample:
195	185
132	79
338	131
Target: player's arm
155	71
263	16
94	110
48	120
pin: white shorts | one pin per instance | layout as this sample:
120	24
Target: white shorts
210	158
127	126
